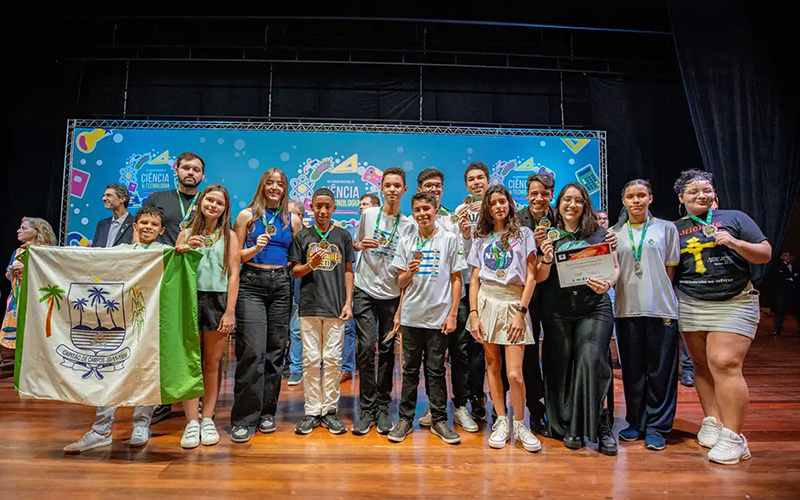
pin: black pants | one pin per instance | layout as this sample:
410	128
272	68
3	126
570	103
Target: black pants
531	373
786	299
262	329
430	344
576	362
649	351
374	320
476	361
457	347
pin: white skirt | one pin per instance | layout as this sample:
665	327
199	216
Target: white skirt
739	314
496	310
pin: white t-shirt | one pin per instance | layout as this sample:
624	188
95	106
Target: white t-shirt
444	221
428	298
374	274
514	266
648	293
467	244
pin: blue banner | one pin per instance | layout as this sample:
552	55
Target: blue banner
349	163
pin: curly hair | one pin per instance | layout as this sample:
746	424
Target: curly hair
486	221
689	176
44	232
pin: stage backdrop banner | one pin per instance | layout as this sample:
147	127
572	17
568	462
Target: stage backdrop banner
109	327
349	160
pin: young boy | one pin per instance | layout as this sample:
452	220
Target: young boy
148	225
322	257
375	300
429	267
431	180
476	178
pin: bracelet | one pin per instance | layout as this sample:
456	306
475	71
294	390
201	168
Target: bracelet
547	263
472	311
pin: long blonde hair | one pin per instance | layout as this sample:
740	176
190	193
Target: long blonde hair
197	224
259	203
44	232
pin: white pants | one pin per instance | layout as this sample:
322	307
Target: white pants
104	418
322	363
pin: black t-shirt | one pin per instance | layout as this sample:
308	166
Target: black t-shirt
574	300
167	201
708	271
322	292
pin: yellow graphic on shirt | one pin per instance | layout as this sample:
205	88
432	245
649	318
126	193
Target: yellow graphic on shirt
695	248
332	257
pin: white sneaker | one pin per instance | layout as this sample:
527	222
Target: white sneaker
462	417
426	420
709	432
499	436
89	441
191	435
140	436
729	449
209	433
524	435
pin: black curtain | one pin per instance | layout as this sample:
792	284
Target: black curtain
649	136
735	61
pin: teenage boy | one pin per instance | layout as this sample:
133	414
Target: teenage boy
476	178
375	300
431	181
429	266
321	256
147	226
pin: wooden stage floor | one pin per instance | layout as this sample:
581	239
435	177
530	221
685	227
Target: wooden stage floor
321	465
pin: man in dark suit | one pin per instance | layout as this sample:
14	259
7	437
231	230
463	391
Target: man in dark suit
787	291
117	229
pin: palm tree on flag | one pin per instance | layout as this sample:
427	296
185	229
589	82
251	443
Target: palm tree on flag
112	305
97	296
80	305
53	295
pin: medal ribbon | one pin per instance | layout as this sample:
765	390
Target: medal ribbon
378	223
637	251
264	218
706	222
145	246
421	246
496	252
185	213
323	237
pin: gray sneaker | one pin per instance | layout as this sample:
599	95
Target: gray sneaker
426	420
462	417
240	434
89	441
267	425
445	433
363	423
295	379
333	423
307	424
399	432
384	425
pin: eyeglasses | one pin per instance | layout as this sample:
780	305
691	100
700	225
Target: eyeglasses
432	185
577	201
694	193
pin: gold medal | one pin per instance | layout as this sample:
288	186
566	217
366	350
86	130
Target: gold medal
184	224
383	240
500	273
637	267
418	255
454	219
553	234
324	244
208	241
271	230
710	231
545	222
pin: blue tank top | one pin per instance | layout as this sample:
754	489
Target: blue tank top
276	253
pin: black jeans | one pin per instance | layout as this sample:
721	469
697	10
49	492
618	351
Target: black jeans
786	299
457	343
263	311
687	365
649	351
432	344
476	361
374	320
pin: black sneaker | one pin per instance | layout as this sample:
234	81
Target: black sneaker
539	425
445	433
608	443
573	442
400	431
333	423
162	412
384	425
307	425
240	434
478	405
363	423
267	425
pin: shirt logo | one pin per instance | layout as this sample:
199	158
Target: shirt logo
332	258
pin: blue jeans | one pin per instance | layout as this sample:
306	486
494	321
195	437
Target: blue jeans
349	350
295	343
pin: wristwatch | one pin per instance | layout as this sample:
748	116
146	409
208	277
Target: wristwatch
521	309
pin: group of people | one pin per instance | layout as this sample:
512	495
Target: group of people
472	287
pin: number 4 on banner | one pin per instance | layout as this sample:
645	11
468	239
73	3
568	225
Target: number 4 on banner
348	166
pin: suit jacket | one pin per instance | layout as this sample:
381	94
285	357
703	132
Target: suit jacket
125	234
785	276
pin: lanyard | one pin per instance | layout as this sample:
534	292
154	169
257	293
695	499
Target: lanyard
378	223
136	246
637	251
421	246
264	218
185	213
323	237
496	253
701	221
444	210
